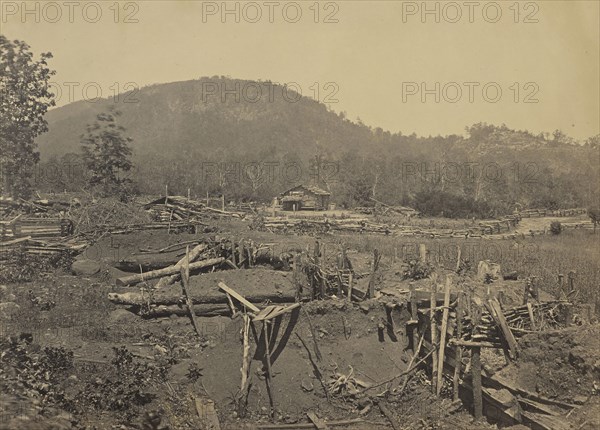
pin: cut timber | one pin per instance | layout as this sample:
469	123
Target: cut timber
476	371
501	320
318	422
459	329
206	411
274	311
433	327
201	310
440	373
239	297
134	279
194	254
167	298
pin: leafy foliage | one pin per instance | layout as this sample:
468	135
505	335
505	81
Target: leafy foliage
416	269
25	99
555	227
19	266
107	154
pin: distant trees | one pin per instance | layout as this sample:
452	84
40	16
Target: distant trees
24	100
107	154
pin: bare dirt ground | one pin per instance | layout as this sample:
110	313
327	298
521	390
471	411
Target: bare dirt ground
74	360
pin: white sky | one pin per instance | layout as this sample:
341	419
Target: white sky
374	50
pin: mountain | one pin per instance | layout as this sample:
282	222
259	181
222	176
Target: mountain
197	118
252	140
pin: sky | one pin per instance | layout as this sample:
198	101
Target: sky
425	67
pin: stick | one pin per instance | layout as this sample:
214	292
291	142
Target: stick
400	375
316	370
440	373
314	335
412	359
185	278
385	411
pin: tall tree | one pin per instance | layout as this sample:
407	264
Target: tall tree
24	99
107	154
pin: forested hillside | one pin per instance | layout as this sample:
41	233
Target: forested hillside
261	138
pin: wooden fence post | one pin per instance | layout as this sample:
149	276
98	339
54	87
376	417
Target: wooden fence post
476	369
433	326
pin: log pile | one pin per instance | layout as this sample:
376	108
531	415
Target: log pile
21	226
321	226
173	208
9	206
533	213
39	247
364	226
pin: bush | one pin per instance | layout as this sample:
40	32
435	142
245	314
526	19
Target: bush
555	227
415	270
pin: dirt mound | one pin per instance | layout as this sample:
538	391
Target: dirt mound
562	365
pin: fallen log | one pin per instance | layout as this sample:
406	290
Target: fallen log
201	310
194	254
167	271
162	297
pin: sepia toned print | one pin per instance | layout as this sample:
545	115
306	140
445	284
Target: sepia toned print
307	214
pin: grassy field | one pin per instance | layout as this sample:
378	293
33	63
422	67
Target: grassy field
541	256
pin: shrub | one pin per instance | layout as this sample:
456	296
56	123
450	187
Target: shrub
555	227
415	270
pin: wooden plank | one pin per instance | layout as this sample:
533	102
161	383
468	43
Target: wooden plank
440	373
531	319
239	297
15	241
476	371
279	310
433	327
414	316
459	327
318	422
501	320
269	378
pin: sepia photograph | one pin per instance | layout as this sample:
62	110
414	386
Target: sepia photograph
310	214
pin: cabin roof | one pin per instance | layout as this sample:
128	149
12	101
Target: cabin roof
313	189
